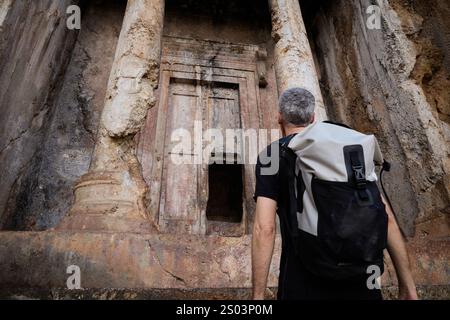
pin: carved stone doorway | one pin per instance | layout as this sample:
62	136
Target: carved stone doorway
204	85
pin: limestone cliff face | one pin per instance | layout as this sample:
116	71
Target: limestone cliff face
34	51
53	105
394	82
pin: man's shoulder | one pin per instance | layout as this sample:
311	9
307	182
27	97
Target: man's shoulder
267	151
276	144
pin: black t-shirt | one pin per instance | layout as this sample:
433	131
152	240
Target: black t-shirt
268	185
295	282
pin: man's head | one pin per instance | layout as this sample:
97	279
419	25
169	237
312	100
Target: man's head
297	108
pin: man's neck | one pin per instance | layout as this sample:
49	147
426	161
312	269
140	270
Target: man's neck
293	130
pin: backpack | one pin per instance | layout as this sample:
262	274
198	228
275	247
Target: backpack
331	205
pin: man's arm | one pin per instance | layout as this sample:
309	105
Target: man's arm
263	241
399	255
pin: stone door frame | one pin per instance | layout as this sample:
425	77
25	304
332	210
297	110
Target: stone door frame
205	62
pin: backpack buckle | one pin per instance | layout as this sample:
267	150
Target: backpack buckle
361	182
360	177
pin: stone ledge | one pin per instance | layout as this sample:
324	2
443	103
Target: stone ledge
389	293
124	260
166	266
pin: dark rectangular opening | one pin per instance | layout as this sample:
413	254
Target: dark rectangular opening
224	210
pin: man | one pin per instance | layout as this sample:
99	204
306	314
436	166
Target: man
296	112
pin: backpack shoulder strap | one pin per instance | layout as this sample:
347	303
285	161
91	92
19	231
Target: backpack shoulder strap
293	186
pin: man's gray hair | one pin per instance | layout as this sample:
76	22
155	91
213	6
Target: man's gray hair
297	106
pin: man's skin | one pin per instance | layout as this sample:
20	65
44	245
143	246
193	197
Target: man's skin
263	241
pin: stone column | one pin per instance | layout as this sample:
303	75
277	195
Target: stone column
5	6
294	62
111	196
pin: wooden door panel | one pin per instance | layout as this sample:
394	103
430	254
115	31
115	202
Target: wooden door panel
224	109
179	194
224	112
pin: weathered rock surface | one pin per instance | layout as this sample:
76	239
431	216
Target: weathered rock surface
45	188
391	82
34	50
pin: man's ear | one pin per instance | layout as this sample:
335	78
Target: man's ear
280	119
313	118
